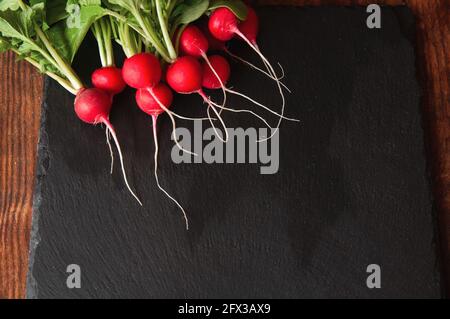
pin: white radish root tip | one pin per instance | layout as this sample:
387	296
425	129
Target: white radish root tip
229	90
246	111
271	71
275	78
174	125
119	150
108	141
155	137
211	105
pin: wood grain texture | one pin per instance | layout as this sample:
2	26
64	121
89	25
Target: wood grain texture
20	102
20	98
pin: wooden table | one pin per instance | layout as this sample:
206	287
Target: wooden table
20	101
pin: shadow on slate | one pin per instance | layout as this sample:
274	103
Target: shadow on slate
352	187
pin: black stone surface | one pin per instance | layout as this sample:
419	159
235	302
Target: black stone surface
352	188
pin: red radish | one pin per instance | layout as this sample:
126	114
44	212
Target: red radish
224	25
217	45
213	43
185	76
221	68
149	105
143	72
193	42
109	79
93	106
250	26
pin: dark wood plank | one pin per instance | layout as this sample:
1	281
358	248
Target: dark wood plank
21	87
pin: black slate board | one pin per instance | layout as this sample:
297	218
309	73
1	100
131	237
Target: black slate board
352	188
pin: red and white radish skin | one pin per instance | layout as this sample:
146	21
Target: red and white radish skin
93	106
224	25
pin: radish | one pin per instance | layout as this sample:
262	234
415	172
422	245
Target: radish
92	106
185	76
143	72
154	102
222	70
224	25
194	43
109	79
217	45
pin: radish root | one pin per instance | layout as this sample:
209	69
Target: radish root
119	150
108	141
245	111
261	105
212	105
275	78
155	137
222	85
174	124
271	71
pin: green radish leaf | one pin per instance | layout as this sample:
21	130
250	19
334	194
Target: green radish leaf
68	34
12	5
16	24
55	10
237	6
189	11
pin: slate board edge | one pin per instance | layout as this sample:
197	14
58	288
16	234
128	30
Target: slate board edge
420	78
427	138
32	288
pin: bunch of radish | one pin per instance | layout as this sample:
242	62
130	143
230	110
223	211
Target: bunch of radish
167	50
